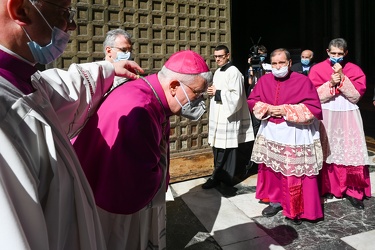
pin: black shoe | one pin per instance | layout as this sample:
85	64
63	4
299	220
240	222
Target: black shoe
271	211
294	221
227	191
328	196
355	202
210	183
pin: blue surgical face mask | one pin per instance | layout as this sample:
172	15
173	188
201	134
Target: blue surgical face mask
50	52
123	56
305	61
335	60
192	110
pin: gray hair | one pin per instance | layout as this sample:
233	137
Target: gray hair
113	34
281	50
187	79
338	43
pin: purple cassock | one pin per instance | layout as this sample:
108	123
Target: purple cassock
119	146
290	181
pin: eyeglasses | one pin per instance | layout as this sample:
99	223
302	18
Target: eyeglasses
125	50
70	11
197	93
220	56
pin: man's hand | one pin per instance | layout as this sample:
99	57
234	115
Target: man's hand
335	79
337	68
337	75
211	91
128	69
250	80
277	111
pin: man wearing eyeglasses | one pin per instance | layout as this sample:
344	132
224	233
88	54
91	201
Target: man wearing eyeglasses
340	85
46	201
230	131
117	46
124	149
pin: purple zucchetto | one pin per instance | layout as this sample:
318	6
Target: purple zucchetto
187	62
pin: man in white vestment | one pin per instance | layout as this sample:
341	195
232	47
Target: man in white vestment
45	199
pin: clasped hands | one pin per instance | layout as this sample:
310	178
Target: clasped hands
276	111
337	75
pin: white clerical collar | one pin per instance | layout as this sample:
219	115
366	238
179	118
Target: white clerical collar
305	67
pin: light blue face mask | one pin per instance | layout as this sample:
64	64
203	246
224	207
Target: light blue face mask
50	52
305	61
123	56
335	60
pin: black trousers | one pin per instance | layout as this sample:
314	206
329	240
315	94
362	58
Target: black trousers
231	165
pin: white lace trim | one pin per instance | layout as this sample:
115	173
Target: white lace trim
290	160
345	143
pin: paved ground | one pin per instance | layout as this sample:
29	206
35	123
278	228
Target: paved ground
230	219
200	219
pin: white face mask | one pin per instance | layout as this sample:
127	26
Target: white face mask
192	110
280	73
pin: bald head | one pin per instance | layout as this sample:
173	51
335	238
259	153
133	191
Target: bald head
307	54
